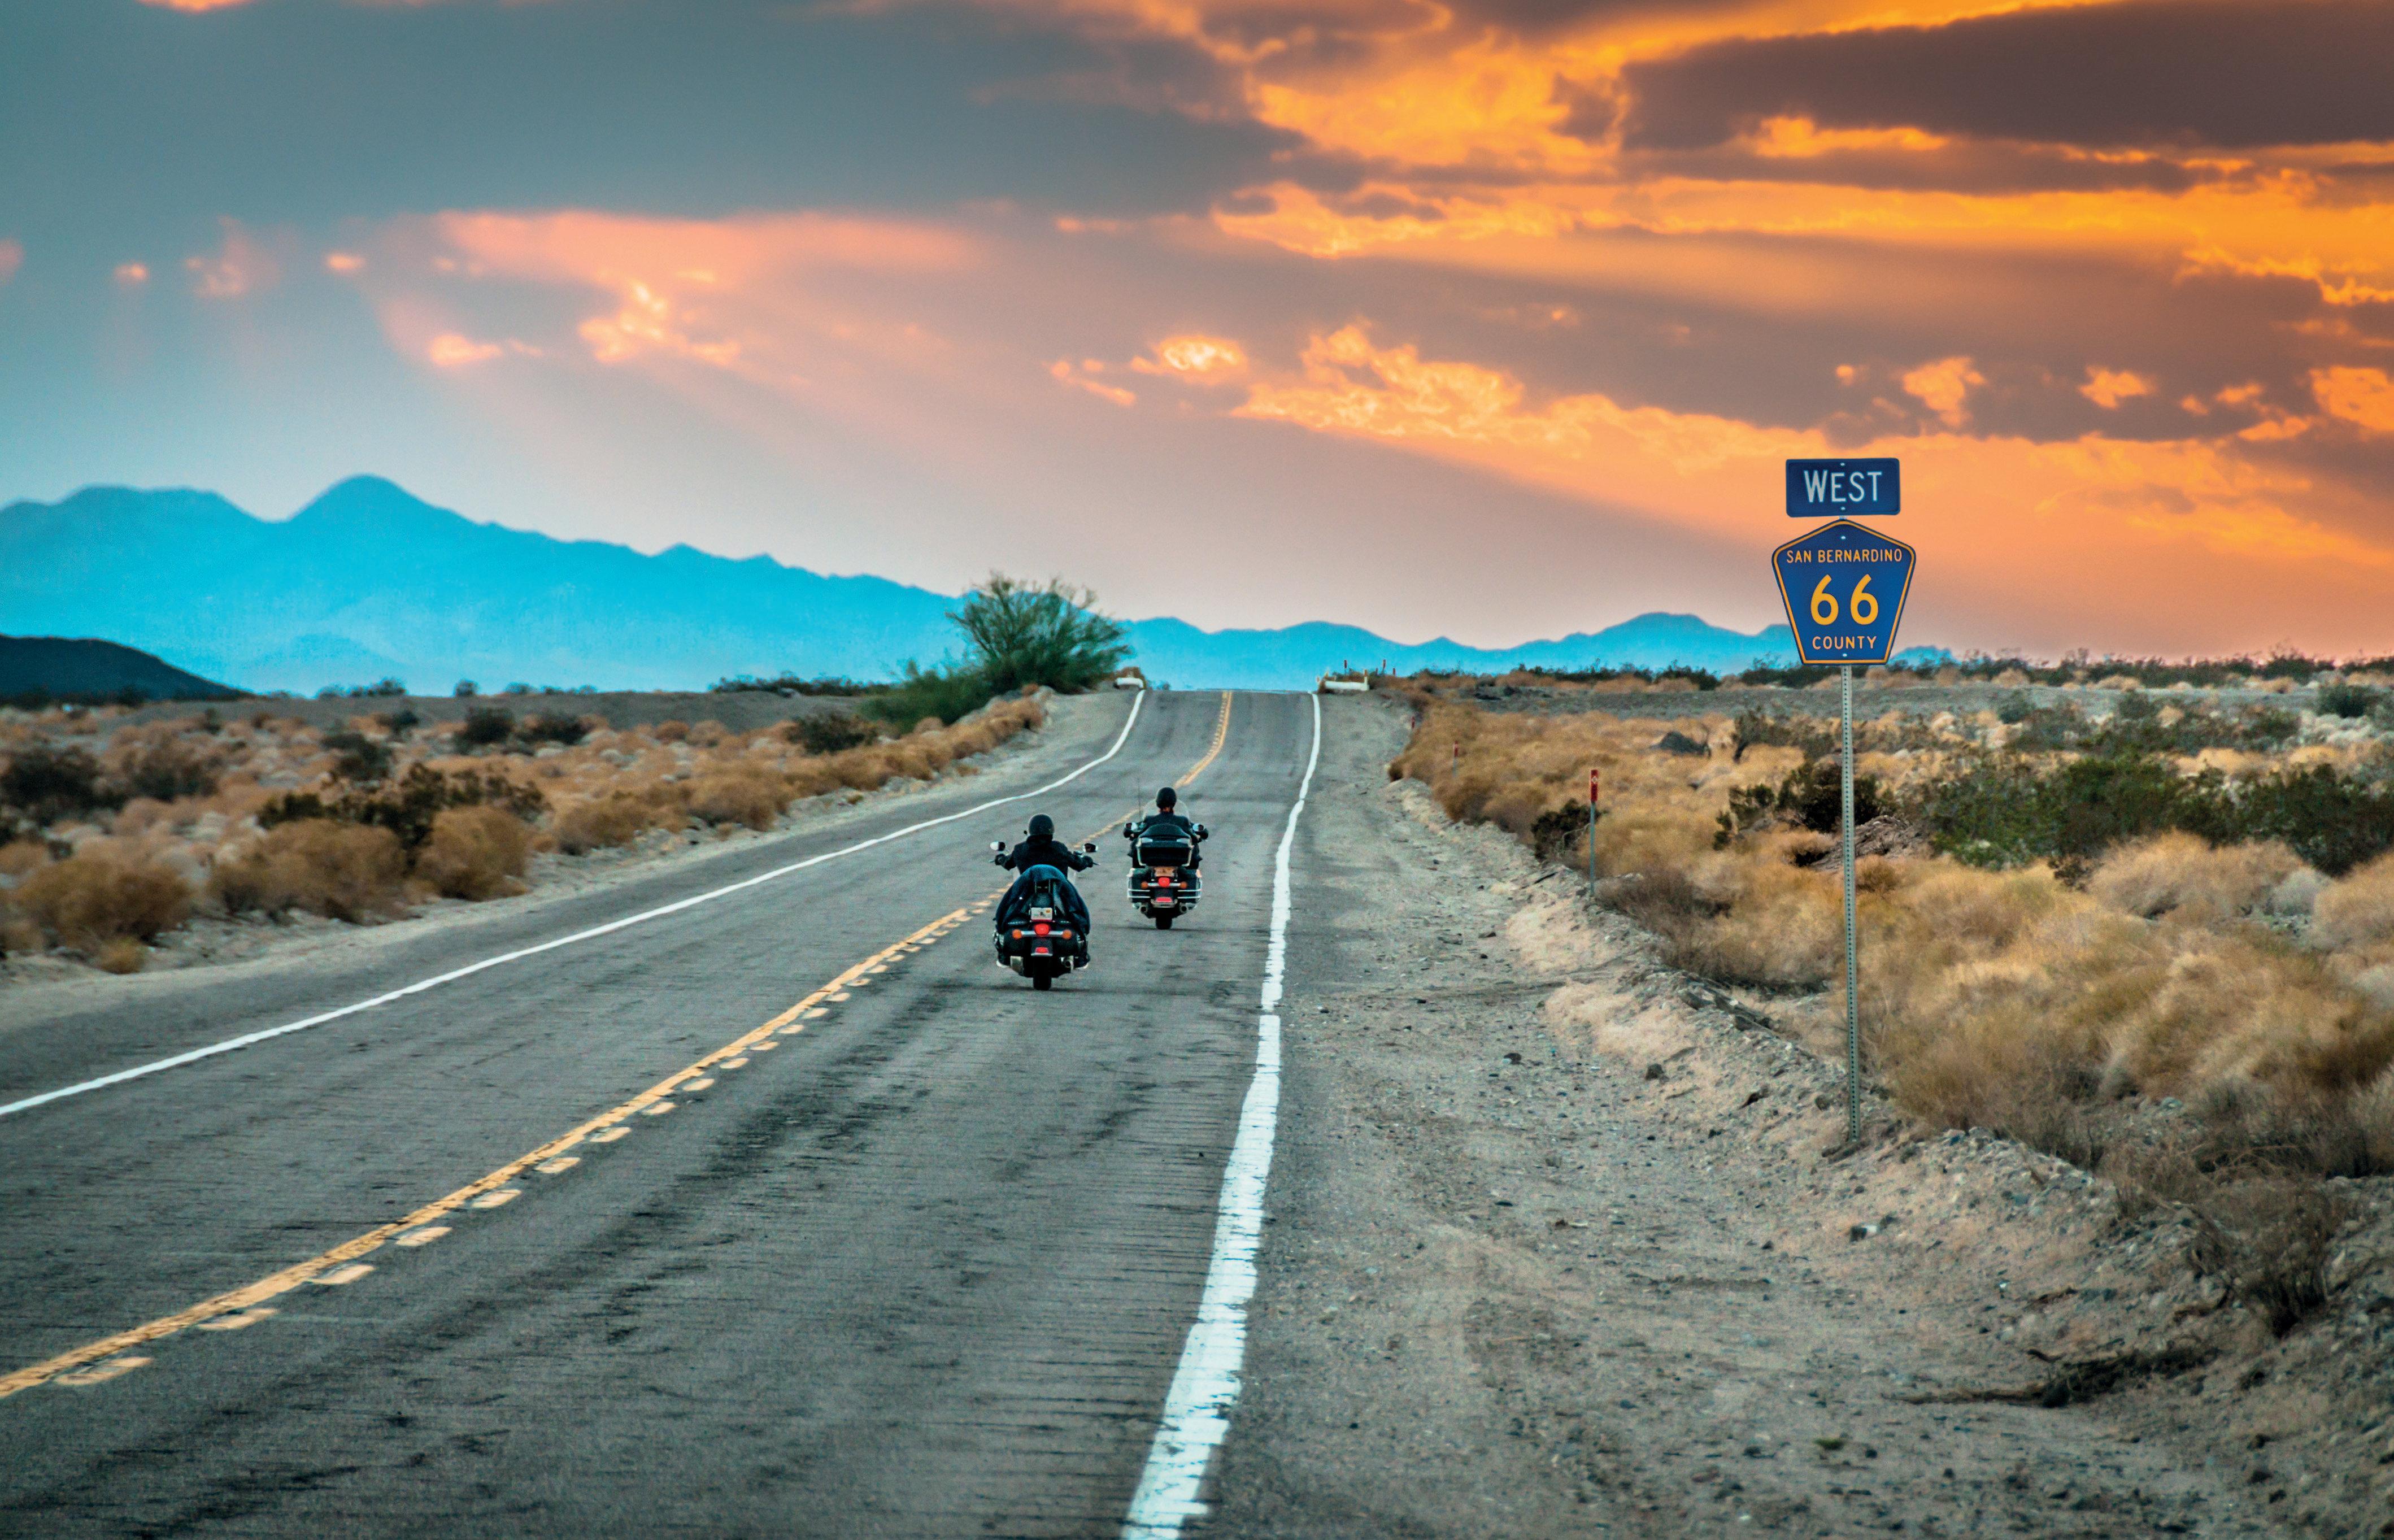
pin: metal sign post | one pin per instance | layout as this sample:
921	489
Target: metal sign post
1845	586
1853	970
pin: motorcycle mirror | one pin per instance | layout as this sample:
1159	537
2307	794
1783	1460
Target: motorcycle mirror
1091	847
998	845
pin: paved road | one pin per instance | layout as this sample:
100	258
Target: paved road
923	1266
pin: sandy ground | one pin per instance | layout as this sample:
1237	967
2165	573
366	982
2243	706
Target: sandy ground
1870	700
1562	1242
34	989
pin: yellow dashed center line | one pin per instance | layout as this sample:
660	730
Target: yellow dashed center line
417	1228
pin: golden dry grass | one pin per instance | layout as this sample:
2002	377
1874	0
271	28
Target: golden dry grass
2006	999
88	901
343	871
474	854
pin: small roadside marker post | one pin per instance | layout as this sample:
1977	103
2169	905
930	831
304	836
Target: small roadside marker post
1842	619
1594	784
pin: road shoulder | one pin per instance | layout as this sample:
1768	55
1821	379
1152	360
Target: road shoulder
1559	1244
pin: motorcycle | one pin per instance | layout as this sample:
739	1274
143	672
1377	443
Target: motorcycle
1164	880
1042	934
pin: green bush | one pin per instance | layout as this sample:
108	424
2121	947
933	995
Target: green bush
947	693
832	731
357	758
2348	700
45	784
552	727
1811	797
2004	810
485	726
1051	635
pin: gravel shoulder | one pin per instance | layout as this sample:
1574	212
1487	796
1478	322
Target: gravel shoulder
1562	1242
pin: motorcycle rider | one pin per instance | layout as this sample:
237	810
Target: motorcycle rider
1165	822
1041	848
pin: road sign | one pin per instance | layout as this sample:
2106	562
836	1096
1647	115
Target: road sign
1845	587
1843	489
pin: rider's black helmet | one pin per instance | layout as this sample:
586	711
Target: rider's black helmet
1042	826
1167	798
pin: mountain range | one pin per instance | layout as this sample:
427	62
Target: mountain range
369	582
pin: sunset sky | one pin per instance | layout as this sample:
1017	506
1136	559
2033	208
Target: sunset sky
1492	319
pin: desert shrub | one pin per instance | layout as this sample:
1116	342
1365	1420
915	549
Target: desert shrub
166	771
2175	872
553	726
122	955
739	796
2354	912
1813	797
400	723
1817	739
1556	830
90	900
485	726
670	732
357	758
45	784
946	693
607	822
19	856
2334	821
2348	700
342	870
408	808
831	731
474	852
788	684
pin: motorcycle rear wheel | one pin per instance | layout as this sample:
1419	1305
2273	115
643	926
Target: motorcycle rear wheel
1041	980
1164	922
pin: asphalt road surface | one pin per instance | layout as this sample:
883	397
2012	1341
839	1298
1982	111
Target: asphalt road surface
919	1260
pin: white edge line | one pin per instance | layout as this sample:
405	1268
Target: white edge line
250	1039
1206	1386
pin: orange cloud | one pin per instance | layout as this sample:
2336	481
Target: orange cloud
2108	387
1206	360
688	288
1942	386
195	5
2047	528
242	266
2364	396
343	262
454	350
132	275
1064	373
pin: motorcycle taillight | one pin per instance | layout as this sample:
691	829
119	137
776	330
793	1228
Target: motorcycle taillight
1040	930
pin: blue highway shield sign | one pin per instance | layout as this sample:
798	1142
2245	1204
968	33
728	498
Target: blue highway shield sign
1845	586
1843	489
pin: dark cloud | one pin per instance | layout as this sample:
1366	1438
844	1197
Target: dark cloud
2227	72
1981	167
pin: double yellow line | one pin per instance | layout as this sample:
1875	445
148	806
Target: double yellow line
656	1099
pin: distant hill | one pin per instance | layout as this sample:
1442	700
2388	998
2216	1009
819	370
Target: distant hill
77	668
368	581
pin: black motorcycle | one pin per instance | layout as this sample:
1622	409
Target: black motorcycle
1164	880
1043	926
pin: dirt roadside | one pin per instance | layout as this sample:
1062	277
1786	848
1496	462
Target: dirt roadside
1561	1242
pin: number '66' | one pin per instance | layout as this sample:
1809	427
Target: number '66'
1861	602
